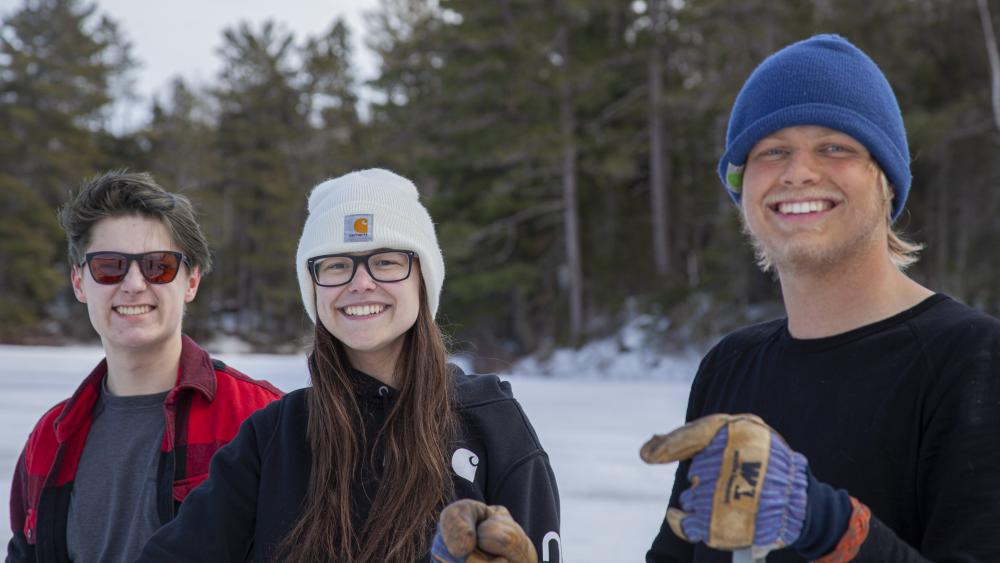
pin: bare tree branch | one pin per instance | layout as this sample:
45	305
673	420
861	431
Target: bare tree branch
511	221
991	50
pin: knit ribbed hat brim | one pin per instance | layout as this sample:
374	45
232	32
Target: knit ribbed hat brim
826	81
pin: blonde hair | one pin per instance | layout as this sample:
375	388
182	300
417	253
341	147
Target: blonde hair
903	252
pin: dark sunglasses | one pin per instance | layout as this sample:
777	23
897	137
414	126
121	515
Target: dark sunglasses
158	267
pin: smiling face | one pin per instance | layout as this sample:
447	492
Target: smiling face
369	317
133	315
811	199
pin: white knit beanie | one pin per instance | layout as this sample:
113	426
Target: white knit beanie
364	211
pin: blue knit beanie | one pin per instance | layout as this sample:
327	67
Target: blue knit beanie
827	81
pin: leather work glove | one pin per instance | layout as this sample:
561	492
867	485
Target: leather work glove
748	488
472	532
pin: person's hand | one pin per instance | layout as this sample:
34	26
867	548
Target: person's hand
471	532
748	488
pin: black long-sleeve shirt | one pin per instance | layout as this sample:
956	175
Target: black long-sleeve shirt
257	483
904	414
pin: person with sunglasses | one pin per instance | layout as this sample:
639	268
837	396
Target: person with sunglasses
104	469
359	466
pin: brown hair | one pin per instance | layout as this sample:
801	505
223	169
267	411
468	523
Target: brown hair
119	193
415	484
902	252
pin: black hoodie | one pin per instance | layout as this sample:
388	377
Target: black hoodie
257	484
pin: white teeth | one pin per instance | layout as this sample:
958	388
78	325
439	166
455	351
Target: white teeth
137	310
800	207
363	310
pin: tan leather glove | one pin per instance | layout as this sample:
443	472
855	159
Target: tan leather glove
736	458
473	532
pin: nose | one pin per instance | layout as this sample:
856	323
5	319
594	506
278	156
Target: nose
133	282
801	170
362	280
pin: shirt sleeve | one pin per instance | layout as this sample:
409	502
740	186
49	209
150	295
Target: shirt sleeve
216	520
867	539
18	549
529	492
667	547
959	468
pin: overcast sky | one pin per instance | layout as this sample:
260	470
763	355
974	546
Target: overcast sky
180	37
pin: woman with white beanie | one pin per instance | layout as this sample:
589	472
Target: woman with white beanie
358	467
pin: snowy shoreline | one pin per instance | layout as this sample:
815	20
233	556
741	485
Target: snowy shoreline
590	422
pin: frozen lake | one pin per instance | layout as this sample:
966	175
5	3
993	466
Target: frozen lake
612	503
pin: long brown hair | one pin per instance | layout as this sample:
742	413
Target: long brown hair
415	483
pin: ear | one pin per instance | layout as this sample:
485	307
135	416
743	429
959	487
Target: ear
193	281
76	278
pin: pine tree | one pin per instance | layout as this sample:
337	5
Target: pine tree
181	151
62	65
330	94
261	129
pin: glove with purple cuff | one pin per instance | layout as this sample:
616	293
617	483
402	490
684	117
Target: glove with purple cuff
749	489
471	532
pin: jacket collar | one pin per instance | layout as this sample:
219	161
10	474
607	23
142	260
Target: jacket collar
195	371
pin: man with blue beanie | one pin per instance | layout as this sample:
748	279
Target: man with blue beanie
865	425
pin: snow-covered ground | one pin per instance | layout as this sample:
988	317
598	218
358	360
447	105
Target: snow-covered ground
592	427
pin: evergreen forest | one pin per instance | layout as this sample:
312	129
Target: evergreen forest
566	149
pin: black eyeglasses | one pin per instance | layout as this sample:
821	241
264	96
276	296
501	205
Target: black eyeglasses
333	270
108	268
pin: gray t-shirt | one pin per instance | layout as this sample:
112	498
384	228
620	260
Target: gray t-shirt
112	509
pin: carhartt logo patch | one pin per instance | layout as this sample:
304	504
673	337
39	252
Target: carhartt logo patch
465	462
358	228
